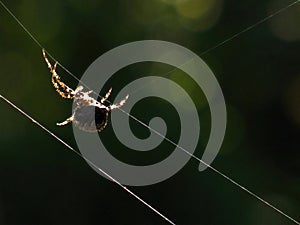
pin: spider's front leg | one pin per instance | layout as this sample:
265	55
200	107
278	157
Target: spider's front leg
69	120
63	90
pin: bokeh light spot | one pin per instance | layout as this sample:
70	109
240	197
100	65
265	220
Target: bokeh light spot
287	25
194	9
199	14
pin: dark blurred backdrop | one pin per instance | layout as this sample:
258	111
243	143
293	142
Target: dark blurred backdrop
42	182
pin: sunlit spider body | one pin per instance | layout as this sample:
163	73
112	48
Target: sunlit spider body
89	114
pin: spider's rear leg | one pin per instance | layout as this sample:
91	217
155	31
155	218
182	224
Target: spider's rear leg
120	104
69	120
106	96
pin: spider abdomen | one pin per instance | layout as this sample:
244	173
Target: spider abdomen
90	118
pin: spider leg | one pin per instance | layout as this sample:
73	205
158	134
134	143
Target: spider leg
66	92
106	96
79	89
55	65
47	61
69	120
120	104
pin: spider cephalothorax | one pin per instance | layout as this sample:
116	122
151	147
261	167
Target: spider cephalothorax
89	114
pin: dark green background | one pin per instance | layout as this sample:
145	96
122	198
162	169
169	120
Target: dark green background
42	182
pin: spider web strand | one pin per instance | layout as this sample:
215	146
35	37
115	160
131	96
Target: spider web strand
145	125
89	161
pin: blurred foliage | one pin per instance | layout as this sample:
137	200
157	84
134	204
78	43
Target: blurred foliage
259	72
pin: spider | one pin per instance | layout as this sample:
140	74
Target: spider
89	114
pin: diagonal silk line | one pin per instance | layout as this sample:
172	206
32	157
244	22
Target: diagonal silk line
170	141
90	162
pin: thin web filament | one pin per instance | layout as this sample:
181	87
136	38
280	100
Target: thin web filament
145	125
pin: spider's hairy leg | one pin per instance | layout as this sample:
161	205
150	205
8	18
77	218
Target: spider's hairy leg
69	120
106	96
88	92
54	67
79	89
66	92
47	61
120	104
